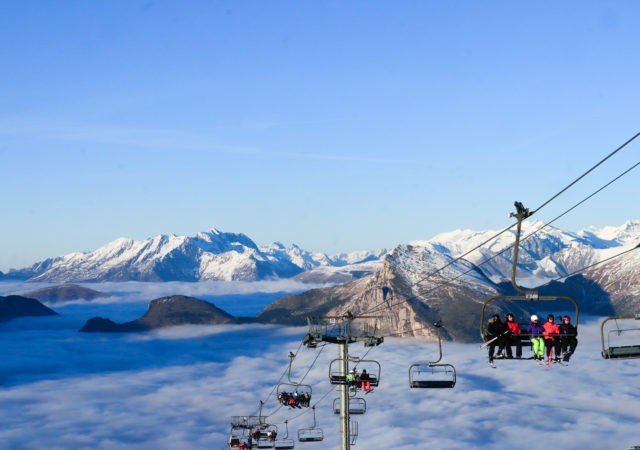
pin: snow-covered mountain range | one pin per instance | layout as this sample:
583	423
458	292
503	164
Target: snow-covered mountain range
212	255
546	253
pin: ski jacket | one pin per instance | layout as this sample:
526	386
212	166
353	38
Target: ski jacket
535	329
514	327
550	328
495	329
568	330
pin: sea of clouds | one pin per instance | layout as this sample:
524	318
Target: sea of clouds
178	387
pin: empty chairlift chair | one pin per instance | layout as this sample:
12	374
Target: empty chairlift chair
357	405
284	443
312	434
621	337
432	375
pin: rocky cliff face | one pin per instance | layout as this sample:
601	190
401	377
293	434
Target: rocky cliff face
400	296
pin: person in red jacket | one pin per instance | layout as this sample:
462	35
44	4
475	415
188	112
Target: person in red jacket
513	337
551	336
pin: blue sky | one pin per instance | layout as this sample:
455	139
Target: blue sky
338	126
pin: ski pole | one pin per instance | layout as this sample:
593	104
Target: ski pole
489	342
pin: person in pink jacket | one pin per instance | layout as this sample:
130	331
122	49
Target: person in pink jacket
551	336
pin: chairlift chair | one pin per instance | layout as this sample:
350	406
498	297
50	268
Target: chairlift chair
285	392
432	375
357	405
263	440
284	443
312	434
372	367
525	295
626	341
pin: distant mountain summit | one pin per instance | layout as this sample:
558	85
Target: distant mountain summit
211	255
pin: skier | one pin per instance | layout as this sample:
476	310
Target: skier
537	342
513	337
552	337
496	330
568	338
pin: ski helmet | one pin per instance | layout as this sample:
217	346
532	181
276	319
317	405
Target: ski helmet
534	318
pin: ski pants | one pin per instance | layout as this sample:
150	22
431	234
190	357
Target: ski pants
537	343
553	344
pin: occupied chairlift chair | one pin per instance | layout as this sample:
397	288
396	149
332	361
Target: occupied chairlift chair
285	391
242	428
372	367
527	296
626	340
263	440
312	434
432	375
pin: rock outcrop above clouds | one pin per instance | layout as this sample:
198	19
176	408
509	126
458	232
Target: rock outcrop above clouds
165	312
14	306
64	293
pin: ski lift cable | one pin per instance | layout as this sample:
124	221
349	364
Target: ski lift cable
444	283
541	206
592	265
282	376
586	173
308	370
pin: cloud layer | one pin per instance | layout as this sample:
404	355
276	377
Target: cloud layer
177	388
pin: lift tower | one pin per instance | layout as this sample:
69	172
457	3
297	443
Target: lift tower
342	331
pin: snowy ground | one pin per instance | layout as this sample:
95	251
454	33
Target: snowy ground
177	388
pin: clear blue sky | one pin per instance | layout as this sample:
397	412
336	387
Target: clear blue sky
335	125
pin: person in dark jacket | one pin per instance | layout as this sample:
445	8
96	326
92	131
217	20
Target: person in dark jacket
496	330
568	338
513	337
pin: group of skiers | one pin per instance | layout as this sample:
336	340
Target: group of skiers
295	399
359	380
545	338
